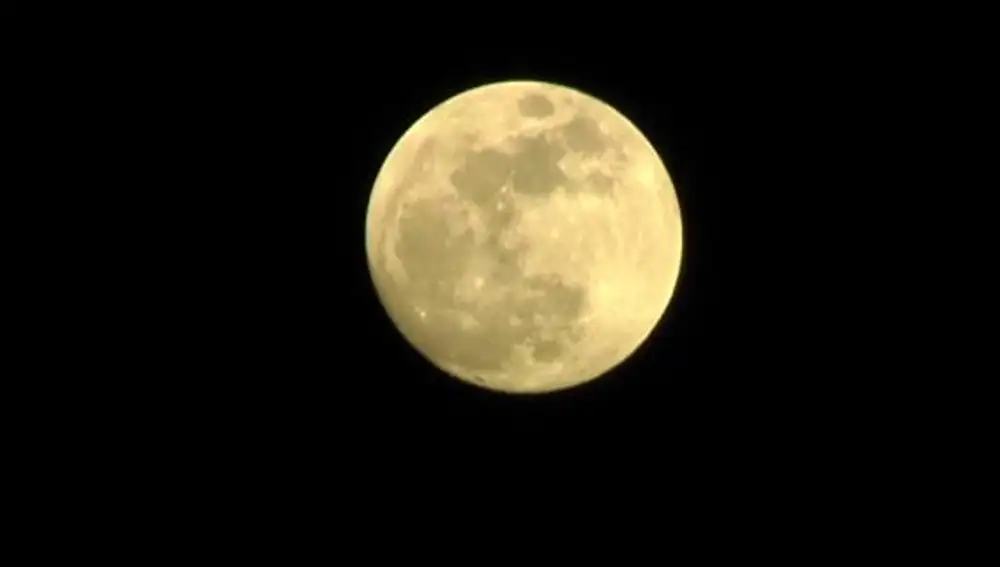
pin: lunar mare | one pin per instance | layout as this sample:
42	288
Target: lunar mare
524	236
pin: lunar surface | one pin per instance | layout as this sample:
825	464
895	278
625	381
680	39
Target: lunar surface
524	237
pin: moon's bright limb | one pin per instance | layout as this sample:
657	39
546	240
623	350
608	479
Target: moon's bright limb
524	236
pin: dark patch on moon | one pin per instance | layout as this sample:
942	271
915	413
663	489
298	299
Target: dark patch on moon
532	169
600	183
481	175
560	301
426	248
532	166
414	172
478	181
535	106
546	350
582	135
536	166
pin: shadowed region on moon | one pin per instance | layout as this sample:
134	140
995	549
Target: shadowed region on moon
479	179
536	167
535	106
532	167
583	136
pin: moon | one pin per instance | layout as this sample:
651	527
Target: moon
524	237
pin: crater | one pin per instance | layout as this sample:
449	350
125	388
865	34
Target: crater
536	166
546	350
583	135
535	106
600	183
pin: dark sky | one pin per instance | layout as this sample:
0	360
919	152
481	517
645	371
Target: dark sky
292	137
225	366
315	129
262	137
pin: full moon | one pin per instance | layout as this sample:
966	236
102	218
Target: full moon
524	237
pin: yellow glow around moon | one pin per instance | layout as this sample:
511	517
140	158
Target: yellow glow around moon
524	237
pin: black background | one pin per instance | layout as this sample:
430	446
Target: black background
230	365
310	128
246	144
215	354
274	140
